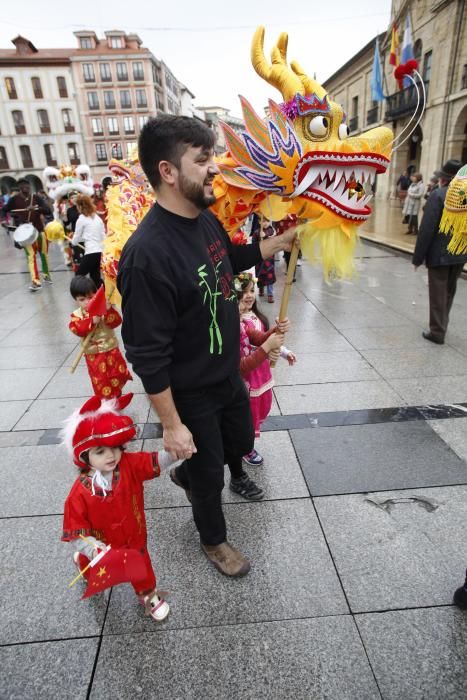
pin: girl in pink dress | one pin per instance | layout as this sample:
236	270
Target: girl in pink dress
258	344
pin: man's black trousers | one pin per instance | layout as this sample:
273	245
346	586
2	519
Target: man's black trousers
219	419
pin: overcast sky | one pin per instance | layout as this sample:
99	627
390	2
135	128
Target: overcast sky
207	45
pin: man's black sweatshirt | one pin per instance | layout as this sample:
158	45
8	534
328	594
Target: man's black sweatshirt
181	324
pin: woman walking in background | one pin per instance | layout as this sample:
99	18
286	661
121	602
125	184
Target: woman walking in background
413	202
90	230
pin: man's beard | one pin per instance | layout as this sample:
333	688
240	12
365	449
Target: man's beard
195	192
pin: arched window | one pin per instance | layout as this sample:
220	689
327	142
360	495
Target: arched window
43	119
37	88
50	155
26	156
61	84
68	120
11	88
3	159
73	153
18	121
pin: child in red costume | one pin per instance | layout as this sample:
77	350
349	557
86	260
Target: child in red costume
106	366
106	502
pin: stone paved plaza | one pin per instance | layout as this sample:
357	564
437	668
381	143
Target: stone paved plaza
356	549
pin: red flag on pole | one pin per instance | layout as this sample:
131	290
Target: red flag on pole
114	567
98	304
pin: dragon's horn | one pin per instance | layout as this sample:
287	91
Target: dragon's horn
278	74
310	85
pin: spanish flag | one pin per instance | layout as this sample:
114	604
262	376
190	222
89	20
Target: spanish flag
394	56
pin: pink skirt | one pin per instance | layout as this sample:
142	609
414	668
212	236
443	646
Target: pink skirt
260	407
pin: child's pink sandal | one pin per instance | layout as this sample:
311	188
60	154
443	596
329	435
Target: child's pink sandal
154	606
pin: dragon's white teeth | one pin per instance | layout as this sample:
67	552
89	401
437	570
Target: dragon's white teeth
308	180
336	182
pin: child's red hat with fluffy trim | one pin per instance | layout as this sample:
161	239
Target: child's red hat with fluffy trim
97	422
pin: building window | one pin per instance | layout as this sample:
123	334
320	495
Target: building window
106	73
112	125
101	153
125	99
37	88
43	119
18	121
73	153
172	105
122	71
68	120
141	100
427	66
138	71
26	158
464	77
96	124
109	99
159	100
130	146
117	151
50	155
417	50
85	42
116	42
143	121
93	100
11	89
62	89
129	125
88	73
3	159
171	83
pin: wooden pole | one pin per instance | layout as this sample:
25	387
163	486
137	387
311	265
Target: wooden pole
87	340
288	284
82	350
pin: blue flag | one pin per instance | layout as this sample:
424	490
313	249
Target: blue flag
377	93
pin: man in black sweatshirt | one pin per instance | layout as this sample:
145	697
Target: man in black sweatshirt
181	326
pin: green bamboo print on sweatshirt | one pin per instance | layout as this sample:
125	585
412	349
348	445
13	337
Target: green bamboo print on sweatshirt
214	330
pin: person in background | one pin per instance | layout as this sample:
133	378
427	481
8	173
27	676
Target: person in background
444	268
265	270
28	208
90	230
413	203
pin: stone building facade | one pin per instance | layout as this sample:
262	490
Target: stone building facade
439	35
119	85
81	105
40	123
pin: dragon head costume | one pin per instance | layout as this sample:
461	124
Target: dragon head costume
302	161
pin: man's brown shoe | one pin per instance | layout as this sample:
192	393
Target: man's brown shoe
227	559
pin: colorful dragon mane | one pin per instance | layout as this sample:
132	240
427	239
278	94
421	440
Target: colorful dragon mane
300	160
128	200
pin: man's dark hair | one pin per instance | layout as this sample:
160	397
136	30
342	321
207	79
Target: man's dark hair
166	138
81	286
23	181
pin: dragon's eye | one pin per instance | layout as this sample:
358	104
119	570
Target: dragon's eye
318	126
344	131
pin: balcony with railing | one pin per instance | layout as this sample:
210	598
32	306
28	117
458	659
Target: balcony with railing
402	103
